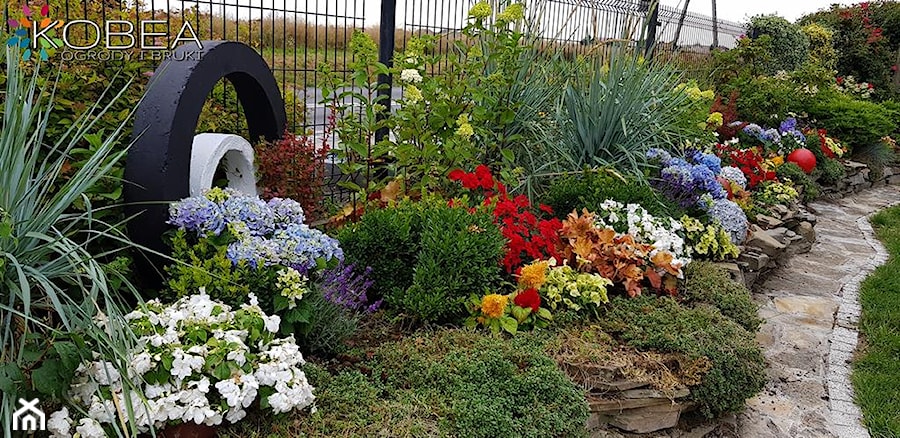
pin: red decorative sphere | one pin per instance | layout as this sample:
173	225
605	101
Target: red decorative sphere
804	158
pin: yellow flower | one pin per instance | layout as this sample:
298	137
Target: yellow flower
464	129
778	161
480	10
513	12
715	119
534	275
412	94
494	305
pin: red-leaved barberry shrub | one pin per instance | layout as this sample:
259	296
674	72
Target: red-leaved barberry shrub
293	167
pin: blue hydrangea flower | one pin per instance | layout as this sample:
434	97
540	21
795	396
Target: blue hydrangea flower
252	211
657	154
286	211
197	214
711	161
256	251
301	245
732	219
753	130
734	175
771	135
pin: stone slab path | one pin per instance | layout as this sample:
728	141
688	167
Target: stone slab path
810	306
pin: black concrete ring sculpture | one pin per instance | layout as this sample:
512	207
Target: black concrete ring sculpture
157	168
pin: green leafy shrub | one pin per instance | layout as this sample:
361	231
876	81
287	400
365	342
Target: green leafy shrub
707	283
661	324
426	257
590	189
392	231
765	100
204	263
790	46
459	254
832	171
800	179
447	383
821	45
856	123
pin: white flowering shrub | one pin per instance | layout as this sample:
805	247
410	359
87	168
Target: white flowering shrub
197	361
662	233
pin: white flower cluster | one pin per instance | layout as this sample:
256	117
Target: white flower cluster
195	361
661	233
411	76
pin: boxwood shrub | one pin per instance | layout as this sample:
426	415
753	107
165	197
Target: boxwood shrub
426	257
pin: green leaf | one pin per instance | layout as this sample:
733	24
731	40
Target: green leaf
520	314
509	324
544	313
48	379
222	371
508	155
11	378
68	355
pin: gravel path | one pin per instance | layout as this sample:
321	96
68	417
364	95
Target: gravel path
811	308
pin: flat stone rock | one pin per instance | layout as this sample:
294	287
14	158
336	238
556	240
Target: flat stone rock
766	244
817	308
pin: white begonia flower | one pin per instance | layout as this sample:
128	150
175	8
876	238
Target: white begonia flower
59	424
235	414
141	363
90	428
410	75
230	391
272	323
104	373
102	410
183	364
237	356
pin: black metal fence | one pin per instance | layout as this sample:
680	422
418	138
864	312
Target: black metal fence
576	25
297	36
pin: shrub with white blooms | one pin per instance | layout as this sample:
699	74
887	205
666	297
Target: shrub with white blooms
661	233
196	361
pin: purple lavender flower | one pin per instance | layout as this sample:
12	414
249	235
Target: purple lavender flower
197	214
345	286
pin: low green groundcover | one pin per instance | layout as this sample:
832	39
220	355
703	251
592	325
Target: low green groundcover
876	376
447	382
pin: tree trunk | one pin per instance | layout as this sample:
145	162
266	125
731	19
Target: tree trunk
680	24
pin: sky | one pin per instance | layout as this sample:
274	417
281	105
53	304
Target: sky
741	10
